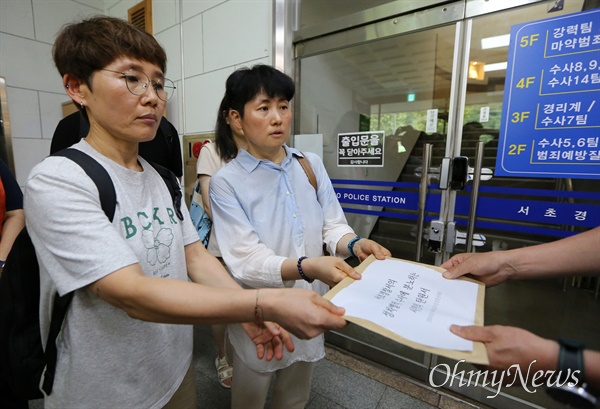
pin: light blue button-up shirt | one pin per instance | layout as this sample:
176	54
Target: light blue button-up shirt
264	213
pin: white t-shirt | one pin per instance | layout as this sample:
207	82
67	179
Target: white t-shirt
105	358
209	162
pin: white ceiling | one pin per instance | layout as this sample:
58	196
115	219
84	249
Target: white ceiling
391	68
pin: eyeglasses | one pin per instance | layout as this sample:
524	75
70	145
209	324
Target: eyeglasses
138	82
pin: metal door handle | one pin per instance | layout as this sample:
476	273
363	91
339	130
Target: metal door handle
474	195
423	188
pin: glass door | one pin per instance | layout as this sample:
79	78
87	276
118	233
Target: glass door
514	212
396	87
406	81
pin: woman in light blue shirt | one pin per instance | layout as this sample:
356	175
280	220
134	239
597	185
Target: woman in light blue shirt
271	226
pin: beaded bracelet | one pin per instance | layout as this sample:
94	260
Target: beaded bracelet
351	244
302	272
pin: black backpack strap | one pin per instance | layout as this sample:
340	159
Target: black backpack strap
108	201
59	311
99	175
173	186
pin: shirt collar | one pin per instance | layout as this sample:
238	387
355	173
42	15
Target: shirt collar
250	163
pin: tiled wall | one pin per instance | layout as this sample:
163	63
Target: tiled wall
218	37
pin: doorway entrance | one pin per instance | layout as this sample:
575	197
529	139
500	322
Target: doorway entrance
432	84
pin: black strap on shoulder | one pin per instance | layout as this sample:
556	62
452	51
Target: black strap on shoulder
108	201
99	175
173	186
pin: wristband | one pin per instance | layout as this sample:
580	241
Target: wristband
351	244
570	359
570	386
304	277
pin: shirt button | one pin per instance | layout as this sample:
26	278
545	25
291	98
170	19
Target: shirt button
287	193
294	216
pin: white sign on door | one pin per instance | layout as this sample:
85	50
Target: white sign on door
432	116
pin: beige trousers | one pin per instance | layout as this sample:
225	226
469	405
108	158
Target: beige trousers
290	391
185	396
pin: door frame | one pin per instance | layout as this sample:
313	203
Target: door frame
313	41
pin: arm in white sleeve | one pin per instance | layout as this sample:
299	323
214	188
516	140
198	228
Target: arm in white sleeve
249	261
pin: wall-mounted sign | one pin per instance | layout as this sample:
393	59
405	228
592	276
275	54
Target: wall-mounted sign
362	149
551	109
528	211
432	119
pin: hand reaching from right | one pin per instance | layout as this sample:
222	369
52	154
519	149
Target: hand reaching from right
490	268
509	346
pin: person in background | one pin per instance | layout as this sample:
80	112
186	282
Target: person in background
212	158
506	346
12	221
120	347
164	149
12	217
271	225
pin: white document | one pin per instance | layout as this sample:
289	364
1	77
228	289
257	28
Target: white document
412	301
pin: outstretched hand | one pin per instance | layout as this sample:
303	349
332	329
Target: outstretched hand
304	313
507	346
365	247
330	270
489	268
269	339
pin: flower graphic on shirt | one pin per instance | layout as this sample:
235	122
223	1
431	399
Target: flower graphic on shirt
158	245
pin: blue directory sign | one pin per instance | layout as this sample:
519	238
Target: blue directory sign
551	109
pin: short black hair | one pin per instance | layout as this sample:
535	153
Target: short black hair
241	87
90	45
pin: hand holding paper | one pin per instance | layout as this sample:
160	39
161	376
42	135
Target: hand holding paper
413	304
330	270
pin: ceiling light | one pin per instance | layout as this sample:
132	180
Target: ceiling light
495	42
476	70
495	67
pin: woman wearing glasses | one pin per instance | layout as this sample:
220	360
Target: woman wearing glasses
118	347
